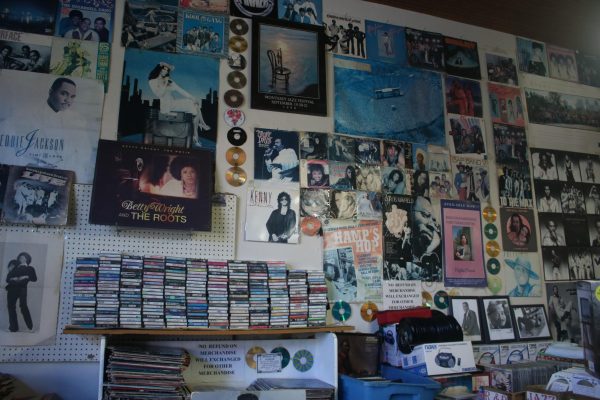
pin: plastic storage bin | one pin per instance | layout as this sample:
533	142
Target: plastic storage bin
408	387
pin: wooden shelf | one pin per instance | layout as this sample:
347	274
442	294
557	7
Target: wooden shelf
74	330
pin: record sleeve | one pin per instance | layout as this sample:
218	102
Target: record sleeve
368	205
313	146
470	178
81	58
506	104
521	274
36	16
140	27
466	135
314	173
152	187
28	52
461	58
463	97
501	69
276	155
202	33
425	49
518	229
100	14
397	247
563	314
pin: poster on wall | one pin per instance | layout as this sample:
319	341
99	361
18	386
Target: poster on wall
253	8
50	122
397	223
385	42
463	244
506	105
562	63
521	274
150	25
470	178
563	314
518	229
467	135
85	20
501	69
304	12
152	187
31	268
201	33
532	57
26	52
461	58
563	110
463	96
425	49
344	34
288	72
216	6
276	155
41	15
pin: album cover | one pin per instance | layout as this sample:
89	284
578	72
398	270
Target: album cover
352	260
548	195
521	274
304	12
440	186
385	42
33	16
501	69
81	58
341	148
588	67
572	198
73	15
288	68
342	175
461	58
556	263
4	172
51	122
531	322
576	231
201	33
552	230
420	156
150	25
563	314
466	135
344	34
467	313
276	155
216	6
439	162
367	151
343	204
152	187
358	354
165	101
420	183
592	198
562	63
38	196
397	223
368	205
463	96
518	229
470	178
589	165
561	109
567	165
463	244
544	165
396	181
314	173
498	322
315	203
272	214
580	264
425	49
396	154
532	57
514	185
387	101
368	178
313	146
25	51
506	104
426	241
252	8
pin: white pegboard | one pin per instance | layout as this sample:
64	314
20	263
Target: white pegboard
83	239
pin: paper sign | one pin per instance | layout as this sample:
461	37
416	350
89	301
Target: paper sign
398	295
268	362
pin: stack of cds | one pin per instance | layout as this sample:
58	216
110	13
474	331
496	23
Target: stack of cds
130	296
259	295
298	298
195	293
107	297
145	373
218	298
153	295
175	308
278	291
239	305
84	292
317	298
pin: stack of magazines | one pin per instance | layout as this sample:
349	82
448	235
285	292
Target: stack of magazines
315	389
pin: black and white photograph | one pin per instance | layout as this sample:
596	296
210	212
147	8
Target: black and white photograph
367	151
531	322
498	321
568	167
341	148
552	230
572	198
313	146
252	8
467	314
595	254
426	240
592	199
556	263
547	195
315	203
576	231
589	166
580	264
29	53
272	214
31	266
594	229
563	314
276	155
345	34
343	204
544	165
397	246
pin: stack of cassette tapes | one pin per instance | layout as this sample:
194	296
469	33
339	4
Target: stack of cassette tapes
175	309
317	298
153	294
279	295
239	304
195	293
84	292
218	297
107	297
130	295
298	298
259	295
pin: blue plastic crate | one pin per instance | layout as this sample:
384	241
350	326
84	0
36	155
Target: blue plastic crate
411	387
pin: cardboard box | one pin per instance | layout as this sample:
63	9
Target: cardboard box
440	359
513	353
537	349
588	297
487	354
576	380
391	354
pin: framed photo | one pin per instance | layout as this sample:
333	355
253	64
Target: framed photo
531	322
497	319
288	68
468	314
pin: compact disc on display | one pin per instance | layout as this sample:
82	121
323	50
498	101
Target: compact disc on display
427	299
236	80
251	356
233	98
303	360
441	300
310	226
234	117
493	266
492	248
490	230
235	176
238	44
235	156
368	311
285	356
489	214
238	26
494	284
237	136
454	292
341	311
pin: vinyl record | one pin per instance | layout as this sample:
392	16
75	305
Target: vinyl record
233	98
234	117
303	360
310	226
238	26
492	248
489	214
368	311
236	80
251	356
427	299
285	356
235	156
237	136
238	44
235	176
490	230
341	311
493	266
441	299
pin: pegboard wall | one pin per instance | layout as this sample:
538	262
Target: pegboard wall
82	239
